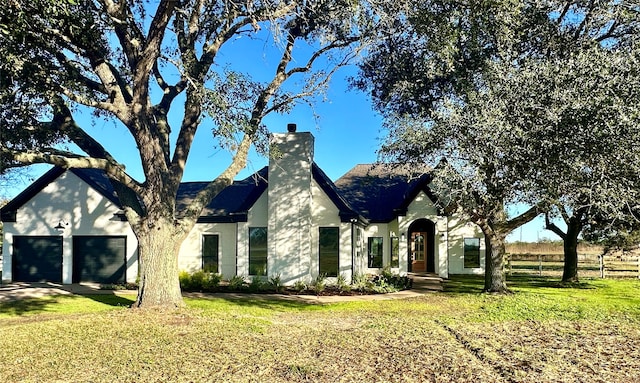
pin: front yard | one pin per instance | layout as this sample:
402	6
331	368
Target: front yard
541	333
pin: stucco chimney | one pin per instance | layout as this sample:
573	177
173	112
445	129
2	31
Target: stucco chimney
289	212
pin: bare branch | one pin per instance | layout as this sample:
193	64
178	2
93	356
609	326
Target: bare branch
523	218
59	158
552	226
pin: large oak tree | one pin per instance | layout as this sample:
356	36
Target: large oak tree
134	62
516	96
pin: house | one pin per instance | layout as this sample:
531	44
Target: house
287	219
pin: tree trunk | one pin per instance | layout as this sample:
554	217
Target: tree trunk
158	247
494	281
570	241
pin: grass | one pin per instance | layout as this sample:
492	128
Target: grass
543	332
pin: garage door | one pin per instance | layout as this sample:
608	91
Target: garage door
37	259
99	259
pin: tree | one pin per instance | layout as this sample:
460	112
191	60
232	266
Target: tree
493	87
578	104
117	59
619	233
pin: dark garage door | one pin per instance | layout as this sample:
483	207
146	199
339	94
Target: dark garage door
37	259
99	259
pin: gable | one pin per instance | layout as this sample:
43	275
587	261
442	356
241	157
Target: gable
346	212
97	180
381	192
67	198
422	205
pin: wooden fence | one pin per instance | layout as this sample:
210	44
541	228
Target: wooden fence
591	265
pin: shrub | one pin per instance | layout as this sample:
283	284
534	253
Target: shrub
211	281
119	286
185	281
236	282
319	284
256	284
361	282
386	282
299	286
199	281
276	283
341	283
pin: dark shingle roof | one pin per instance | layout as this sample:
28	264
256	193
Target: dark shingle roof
367	193
97	179
381	192
231	204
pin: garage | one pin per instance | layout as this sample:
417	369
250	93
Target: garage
37	259
100	259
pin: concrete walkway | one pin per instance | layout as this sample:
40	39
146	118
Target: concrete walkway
422	284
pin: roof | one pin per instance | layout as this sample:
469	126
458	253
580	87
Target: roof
95	178
346	212
381	192
232	204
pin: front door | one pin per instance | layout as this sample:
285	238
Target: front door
418	252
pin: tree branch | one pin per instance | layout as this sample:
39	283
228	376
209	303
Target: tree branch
57	158
552	226
216	186
523	218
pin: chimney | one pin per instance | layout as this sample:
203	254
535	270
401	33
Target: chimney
289	201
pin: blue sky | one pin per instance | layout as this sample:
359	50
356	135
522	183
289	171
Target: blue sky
347	132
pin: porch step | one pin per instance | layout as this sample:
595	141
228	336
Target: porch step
425	282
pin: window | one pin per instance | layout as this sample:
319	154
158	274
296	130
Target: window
395	252
375	252
471	252
210	253
257	251
329	251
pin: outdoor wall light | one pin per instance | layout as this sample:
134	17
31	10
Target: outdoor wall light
403	236
61	226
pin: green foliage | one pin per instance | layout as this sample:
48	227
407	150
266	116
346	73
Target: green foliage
386	282
319	284
276	283
299	286
361	282
341	283
529	103
199	281
236	283
119	286
257	284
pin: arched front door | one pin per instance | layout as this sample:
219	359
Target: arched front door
421	246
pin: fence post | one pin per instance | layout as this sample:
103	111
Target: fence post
601	261
540	264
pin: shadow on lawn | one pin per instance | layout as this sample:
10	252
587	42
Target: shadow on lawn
111	299
254	301
474	284
24	306
21	307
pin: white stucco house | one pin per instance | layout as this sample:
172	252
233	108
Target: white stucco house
287	219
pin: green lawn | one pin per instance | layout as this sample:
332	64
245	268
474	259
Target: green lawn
541	333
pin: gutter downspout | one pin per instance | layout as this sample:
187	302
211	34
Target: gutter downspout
353	250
